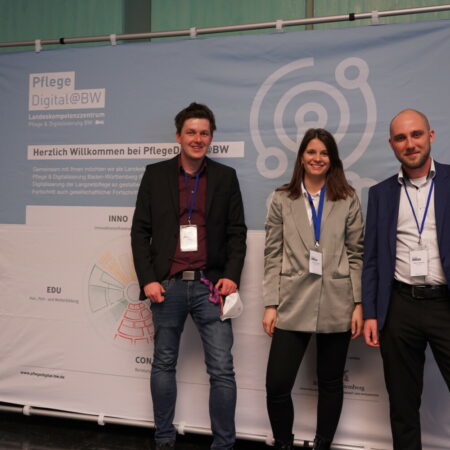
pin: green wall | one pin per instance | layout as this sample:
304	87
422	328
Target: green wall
22	20
332	8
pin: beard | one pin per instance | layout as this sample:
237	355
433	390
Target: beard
416	164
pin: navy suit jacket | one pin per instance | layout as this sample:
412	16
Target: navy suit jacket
155	229
380	239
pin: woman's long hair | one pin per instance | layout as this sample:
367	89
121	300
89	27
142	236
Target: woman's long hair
337	187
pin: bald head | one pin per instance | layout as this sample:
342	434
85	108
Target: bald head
411	138
407	114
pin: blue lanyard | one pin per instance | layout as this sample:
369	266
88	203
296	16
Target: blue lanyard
420	228
194	194
317	217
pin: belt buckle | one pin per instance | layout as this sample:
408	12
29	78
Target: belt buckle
413	292
188	275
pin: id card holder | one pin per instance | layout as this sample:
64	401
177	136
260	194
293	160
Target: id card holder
418	262
188	238
315	262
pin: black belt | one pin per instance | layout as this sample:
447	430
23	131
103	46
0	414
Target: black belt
423	291
189	275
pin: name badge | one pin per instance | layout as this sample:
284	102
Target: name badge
418	262
188	238
315	262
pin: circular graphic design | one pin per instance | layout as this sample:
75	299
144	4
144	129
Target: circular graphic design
281	94
113	298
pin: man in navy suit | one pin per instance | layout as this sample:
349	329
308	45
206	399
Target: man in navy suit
188	239
406	298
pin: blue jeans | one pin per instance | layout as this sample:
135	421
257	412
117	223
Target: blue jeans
183	298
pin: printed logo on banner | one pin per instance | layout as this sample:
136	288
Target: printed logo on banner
295	102
51	92
113	299
56	90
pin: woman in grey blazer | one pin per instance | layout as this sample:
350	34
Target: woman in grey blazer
312	283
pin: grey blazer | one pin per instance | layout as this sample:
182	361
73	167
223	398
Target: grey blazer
309	302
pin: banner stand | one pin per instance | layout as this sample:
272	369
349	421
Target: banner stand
193	32
105	420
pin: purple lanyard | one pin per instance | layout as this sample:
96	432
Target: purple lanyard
422	225
213	296
194	194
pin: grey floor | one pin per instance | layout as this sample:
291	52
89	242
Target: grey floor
43	433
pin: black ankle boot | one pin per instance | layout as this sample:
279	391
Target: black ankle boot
285	445
321	444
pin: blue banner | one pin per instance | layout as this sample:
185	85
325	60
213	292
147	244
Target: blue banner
78	125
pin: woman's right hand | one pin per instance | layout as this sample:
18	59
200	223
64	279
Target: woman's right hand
270	319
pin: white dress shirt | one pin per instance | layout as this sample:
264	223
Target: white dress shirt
408	234
315	198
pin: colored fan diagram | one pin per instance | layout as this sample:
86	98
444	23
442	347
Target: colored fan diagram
114	300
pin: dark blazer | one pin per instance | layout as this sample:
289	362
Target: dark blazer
155	228
380	239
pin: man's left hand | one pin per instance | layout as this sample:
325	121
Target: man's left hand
226	286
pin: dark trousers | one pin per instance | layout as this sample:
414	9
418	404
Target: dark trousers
412	324
286	354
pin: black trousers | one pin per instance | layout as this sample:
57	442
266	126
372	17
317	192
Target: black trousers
286	354
410	326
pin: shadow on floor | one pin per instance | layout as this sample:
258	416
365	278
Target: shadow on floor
45	433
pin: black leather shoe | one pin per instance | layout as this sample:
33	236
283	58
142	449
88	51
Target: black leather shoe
321	444
285	445
165	446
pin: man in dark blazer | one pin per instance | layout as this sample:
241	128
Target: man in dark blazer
406	299
189	242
